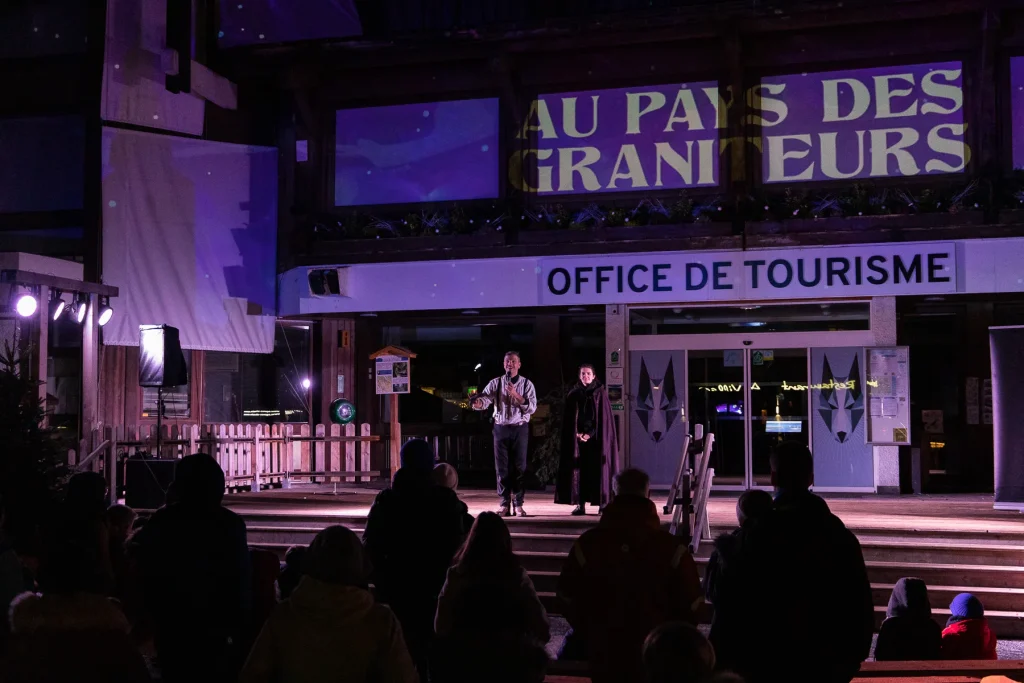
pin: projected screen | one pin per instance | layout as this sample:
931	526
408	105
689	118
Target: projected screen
249	22
190	237
440	151
867	123
1017	106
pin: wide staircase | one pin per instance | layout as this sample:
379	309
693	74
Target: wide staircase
988	564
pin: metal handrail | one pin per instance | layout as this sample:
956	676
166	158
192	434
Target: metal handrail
92	456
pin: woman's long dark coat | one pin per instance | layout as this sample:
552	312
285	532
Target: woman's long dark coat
585	470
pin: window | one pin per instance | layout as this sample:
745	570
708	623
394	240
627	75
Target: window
253	387
824	317
177	400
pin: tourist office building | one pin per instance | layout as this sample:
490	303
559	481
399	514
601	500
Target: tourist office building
757	345
795	223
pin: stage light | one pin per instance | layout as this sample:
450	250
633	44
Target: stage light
80	307
57	307
106	313
27	305
478	365
306	383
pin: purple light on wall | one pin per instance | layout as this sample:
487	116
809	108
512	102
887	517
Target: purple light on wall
1017	110
441	151
864	123
620	140
250	22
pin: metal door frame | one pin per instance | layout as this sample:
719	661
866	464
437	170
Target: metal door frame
747	341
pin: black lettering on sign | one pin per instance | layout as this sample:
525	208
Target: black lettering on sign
660	277
581	276
875	264
910	273
692	268
633	271
934	267
837	268
566	280
773	273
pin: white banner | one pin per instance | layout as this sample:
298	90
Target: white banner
858	270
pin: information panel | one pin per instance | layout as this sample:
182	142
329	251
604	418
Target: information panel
888	384
392	374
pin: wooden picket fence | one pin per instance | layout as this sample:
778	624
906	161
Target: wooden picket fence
257	456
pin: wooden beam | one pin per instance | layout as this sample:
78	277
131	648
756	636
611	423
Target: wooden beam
23	277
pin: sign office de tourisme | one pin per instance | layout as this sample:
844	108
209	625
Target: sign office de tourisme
667	277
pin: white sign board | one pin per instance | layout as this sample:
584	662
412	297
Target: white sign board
888	396
392	374
858	270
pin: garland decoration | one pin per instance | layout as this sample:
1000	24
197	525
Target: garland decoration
767	204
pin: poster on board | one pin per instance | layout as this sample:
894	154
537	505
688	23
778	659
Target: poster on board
888	388
392	373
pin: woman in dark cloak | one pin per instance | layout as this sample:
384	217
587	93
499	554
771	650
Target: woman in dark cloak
589	455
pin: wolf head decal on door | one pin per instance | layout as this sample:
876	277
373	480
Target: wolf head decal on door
841	402
657	403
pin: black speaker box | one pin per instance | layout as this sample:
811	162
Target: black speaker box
161	362
146	481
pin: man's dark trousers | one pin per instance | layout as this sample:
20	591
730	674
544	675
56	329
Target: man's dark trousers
510	443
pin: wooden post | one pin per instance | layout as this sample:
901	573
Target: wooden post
350	451
90	367
42	371
364	451
256	459
396	435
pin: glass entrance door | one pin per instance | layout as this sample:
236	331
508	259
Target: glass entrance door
716	394
779	406
751	399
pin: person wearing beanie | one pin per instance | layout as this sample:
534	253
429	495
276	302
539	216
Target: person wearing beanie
412	532
417	455
909	634
967	634
331	629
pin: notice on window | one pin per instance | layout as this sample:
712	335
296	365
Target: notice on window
888	386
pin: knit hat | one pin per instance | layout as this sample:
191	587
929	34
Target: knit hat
966	606
417	455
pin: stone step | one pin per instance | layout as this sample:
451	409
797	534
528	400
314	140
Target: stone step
1005	624
938	551
994	599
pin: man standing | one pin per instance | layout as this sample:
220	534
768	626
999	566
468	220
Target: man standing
515	400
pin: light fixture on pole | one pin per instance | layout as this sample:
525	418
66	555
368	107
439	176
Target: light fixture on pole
26	305
57	305
106	312
80	307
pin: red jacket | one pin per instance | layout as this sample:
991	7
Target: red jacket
969	639
621	580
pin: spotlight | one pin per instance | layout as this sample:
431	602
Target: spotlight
27	305
106	313
306	383
57	307
80	307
